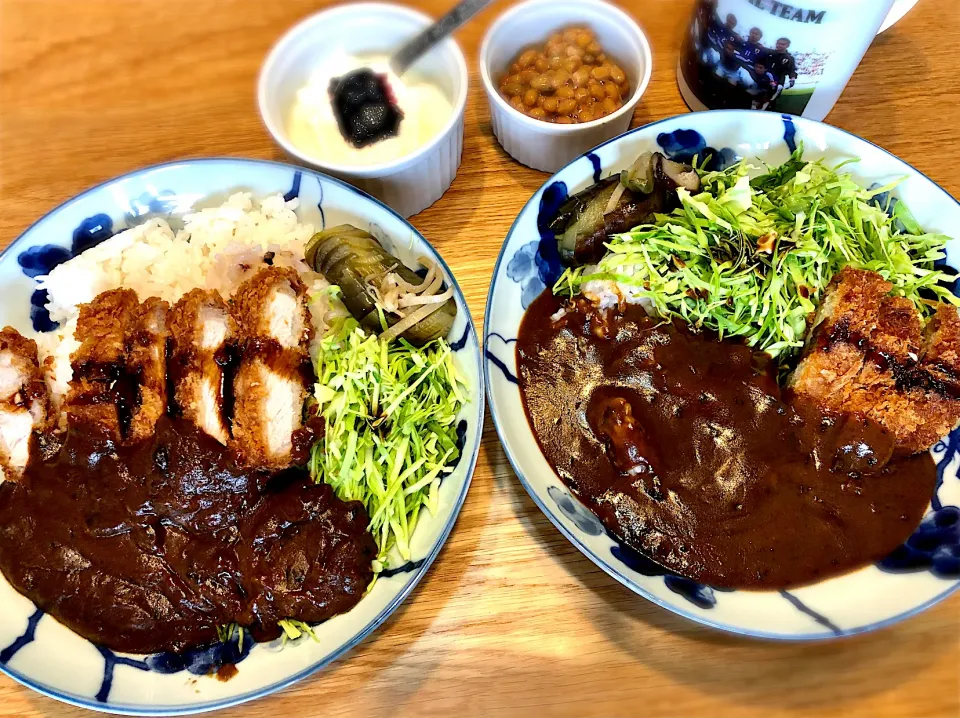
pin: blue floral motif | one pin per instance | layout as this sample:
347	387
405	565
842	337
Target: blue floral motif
935	545
573	510
553	197
524	268
684	145
205	660
294	190
24	639
150	204
202	661
697	593
402	568
40	260
460	343
461	437
91	232
39	316
595	161
496	361
198	661
789	133
806	610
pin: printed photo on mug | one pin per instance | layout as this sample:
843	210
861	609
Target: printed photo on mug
732	66
777	56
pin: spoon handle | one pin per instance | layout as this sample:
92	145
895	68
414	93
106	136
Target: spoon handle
412	50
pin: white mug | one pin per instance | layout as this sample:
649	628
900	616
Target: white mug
792	56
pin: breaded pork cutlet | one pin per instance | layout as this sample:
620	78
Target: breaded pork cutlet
24	401
868	354
270	311
200	328
147	364
119	370
100	359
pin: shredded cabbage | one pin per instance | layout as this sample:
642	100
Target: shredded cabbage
751	258
293	629
390	427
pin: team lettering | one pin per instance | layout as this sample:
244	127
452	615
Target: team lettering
788	12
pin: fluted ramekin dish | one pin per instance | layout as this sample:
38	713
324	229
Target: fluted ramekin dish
412	182
544	145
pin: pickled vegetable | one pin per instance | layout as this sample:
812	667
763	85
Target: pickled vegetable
382	293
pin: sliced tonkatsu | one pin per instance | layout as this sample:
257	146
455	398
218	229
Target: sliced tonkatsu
24	401
146	365
869	354
237	371
98	394
201	332
271	383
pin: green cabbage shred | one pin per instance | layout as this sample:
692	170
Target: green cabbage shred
293	629
752	258
390	428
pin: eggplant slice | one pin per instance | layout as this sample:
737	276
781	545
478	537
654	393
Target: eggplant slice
585	220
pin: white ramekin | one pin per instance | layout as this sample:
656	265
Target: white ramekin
543	145
413	182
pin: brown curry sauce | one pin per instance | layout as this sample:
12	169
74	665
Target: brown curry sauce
687	450
151	547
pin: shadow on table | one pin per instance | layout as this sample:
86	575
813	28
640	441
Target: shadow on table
391	643
764	673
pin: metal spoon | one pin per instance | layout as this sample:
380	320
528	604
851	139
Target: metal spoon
412	51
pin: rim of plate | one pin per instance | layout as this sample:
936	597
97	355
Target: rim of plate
570	536
388	610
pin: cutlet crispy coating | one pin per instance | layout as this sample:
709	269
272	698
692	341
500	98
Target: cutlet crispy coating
271	305
270	387
102	328
899	333
853	298
200	326
24	401
147	361
868	355
119	370
942	341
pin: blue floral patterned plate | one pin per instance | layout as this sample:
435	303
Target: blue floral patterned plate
41	653
918	574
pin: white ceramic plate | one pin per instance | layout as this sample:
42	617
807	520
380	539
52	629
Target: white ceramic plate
41	653
920	573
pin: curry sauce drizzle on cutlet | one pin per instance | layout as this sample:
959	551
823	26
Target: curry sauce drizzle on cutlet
102	393
272	378
238	371
868	354
119	370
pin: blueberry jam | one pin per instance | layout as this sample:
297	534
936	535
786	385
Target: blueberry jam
364	106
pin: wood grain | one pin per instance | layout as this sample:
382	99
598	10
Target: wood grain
511	620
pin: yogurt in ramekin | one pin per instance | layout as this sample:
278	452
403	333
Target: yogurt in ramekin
323	44
312	125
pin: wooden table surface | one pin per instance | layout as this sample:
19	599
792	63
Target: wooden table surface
511	619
